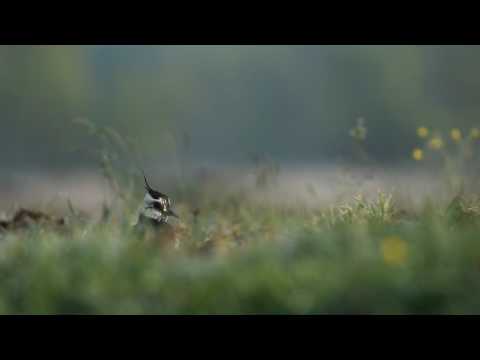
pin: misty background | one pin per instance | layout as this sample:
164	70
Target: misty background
226	105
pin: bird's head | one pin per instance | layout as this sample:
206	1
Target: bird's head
158	206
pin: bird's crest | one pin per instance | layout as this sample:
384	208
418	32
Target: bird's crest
158	201
153	193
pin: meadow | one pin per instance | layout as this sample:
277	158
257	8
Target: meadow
238	254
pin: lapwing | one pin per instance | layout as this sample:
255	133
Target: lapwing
154	215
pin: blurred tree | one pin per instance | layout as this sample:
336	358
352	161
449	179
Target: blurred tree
294	103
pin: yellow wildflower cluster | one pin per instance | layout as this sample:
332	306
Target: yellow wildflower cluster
456	135
436	143
423	132
474	133
394	250
434	140
417	154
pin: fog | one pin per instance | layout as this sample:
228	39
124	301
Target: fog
181	109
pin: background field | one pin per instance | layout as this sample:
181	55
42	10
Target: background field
308	179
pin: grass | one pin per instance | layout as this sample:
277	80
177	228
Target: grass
237	256
365	257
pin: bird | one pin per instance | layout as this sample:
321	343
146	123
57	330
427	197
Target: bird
154	216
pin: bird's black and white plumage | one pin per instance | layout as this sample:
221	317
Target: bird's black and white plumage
157	207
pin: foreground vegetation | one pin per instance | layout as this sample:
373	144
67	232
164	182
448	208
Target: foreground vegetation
233	255
237	258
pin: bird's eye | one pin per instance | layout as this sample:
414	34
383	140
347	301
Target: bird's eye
158	206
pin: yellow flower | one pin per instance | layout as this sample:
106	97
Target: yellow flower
417	154
475	133
456	135
435	143
394	250
423	132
